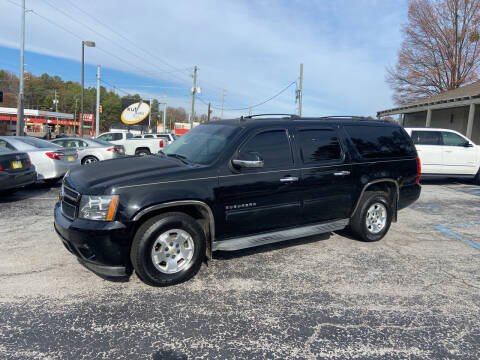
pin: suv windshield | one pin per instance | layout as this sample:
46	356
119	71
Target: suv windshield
202	144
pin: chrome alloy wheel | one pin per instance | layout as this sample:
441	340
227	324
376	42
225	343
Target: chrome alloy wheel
173	251
90	160
376	218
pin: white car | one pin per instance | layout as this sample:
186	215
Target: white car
445	152
169	138
51	161
133	146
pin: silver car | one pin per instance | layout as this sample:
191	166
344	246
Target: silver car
51	161
91	150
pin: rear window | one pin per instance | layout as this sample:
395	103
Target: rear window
380	141
38	143
426	137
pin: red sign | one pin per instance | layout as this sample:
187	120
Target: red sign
86	117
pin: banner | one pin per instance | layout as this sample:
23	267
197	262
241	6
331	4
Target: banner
135	112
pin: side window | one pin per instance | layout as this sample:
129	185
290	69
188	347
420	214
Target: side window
452	139
82	144
136	137
128	136
117	136
148	136
106	137
6	145
59	142
427	138
319	146
272	147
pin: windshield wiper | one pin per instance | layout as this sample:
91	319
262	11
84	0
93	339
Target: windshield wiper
182	158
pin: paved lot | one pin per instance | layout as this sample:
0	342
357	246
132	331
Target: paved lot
415	294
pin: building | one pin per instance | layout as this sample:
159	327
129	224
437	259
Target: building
38	122
457	109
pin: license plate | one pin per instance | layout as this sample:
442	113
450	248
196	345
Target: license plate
71	158
17	164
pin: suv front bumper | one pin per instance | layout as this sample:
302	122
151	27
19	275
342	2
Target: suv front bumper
101	246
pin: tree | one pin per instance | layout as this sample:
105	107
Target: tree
440	49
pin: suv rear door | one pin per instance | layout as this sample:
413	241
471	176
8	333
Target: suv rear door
261	199
429	148
326	181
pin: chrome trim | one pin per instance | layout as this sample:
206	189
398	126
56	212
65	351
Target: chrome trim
376	182
211	219
289	179
342	173
248	163
278	236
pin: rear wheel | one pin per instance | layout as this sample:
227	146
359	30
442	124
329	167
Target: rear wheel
168	249
477	177
142	152
89	160
373	217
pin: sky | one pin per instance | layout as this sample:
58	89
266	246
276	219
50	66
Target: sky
250	48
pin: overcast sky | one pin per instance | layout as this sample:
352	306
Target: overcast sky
252	48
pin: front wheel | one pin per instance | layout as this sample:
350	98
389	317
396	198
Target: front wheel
373	218
89	160
142	152
168	249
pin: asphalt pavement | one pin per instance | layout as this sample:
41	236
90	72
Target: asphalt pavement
415	294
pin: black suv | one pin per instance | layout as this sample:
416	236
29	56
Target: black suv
233	184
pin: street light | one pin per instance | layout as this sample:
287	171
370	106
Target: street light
89	44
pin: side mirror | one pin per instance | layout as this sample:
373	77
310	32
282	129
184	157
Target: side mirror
254	161
468	144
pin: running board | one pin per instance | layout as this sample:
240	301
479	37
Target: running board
277	236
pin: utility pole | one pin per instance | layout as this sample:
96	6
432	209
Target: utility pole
223	101
194	91
75	117
165	112
20	109
250	110
97	113
300	91
208	113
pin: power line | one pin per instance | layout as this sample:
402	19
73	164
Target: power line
108	39
256	105
123	37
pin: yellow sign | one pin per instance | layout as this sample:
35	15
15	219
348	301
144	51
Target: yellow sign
135	113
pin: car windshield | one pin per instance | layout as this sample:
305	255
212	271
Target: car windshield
100	142
202	144
38	143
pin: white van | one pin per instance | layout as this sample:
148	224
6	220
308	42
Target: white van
445	152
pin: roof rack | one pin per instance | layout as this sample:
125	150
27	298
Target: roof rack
349	117
291	116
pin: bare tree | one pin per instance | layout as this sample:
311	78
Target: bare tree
440	49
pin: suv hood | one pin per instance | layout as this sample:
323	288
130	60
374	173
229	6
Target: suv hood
97	177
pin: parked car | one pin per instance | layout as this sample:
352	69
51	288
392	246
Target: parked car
61	135
446	153
91	150
16	170
51	161
168	138
233	184
131	145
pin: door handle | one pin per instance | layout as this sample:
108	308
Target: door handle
342	173
289	179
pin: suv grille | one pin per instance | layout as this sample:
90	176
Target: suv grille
70	202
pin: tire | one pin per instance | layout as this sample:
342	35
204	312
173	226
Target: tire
155	252
477	178
372	229
142	152
89	159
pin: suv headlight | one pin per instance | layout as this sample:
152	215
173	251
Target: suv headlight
98	207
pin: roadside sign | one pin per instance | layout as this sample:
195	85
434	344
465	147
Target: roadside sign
135	112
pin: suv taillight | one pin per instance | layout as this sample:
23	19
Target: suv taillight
55	155
419	170
1	168
161	143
